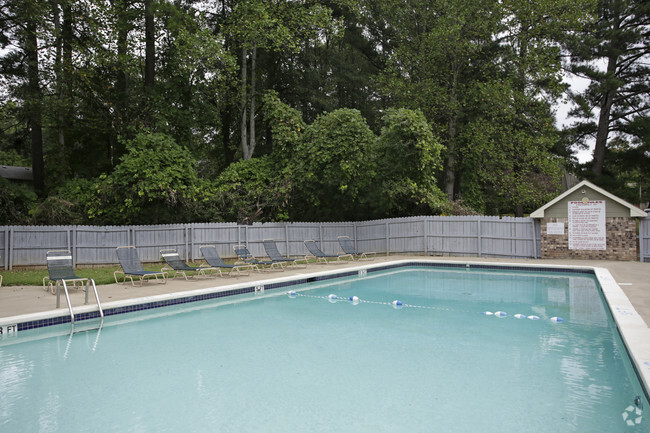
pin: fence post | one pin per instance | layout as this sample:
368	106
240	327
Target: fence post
644	239
387	238
534	238
185	234
513	242
6	253
425	234
479	239
72	245
286	239
11	247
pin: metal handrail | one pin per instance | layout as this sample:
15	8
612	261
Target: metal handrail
67	297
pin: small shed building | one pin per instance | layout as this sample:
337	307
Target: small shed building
587	222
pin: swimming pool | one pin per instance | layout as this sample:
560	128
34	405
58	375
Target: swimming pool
308	362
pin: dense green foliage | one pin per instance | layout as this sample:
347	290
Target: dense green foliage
249	110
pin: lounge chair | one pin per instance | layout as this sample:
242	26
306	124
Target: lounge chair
316	253
59	267
214	260
61	272
179	267
246	257
132	267
274	254
348	248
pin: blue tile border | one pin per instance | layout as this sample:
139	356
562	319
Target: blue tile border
233	292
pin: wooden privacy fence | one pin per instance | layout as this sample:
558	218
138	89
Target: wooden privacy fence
431	235
644	240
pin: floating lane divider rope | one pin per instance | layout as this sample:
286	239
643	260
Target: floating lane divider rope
398	305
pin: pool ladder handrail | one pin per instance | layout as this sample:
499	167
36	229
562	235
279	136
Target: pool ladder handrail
67	297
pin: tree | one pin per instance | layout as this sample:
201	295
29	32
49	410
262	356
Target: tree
22	22
447	62
156	182
509	166
333	168
438	53
273	26
618	38
409	157
252	190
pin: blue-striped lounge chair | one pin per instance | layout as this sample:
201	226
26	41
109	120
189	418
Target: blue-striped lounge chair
213	259
132	267
316	253
347	246
181	268
274	255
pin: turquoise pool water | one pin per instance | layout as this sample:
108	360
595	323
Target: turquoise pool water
308	363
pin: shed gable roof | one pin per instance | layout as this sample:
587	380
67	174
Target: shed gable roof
635	212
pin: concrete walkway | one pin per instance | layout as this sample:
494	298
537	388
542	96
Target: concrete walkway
632	277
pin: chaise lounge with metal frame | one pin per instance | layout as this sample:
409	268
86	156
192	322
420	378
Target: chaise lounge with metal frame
316	253
179	267
245	257
347	245
61	272
274	255
132	267
213	259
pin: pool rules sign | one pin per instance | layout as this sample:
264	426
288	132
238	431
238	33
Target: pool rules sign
587	225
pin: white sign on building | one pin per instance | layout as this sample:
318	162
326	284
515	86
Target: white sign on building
555	229
587	225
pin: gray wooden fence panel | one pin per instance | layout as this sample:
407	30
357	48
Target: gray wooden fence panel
149	240
96	245
4	247
371	236
453	235
406	236
297	233
464	236
644	239
222	236
29	245
331	231
259	232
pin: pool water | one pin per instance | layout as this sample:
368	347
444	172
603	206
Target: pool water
310	363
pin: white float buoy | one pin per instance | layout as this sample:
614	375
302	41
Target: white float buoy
292	294
520	316
397	304
501	314
557	319
488	313
533	317
332	298
354	300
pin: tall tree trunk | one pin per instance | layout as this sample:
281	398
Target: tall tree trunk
150	46
34	105
251	124
450	163
149	62
603	121
58	68
244	101
122	83
63	68
226	124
